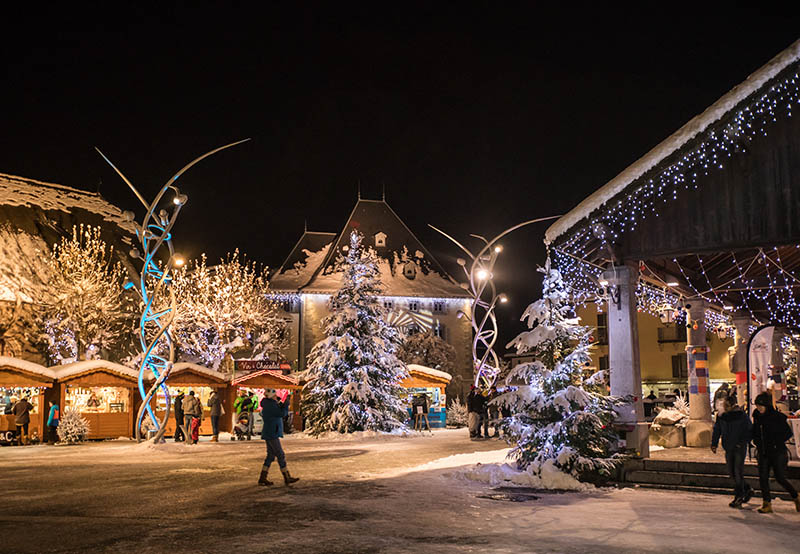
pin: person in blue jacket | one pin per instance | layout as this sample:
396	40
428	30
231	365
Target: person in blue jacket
52	423
272	413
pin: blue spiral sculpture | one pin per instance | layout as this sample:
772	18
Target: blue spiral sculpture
158	312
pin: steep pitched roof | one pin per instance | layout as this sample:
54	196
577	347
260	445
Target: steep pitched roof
675	142
400	248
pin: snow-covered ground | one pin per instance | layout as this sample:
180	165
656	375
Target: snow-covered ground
371	494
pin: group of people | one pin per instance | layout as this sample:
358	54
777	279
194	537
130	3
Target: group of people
189	415
481	413
769	431
21	410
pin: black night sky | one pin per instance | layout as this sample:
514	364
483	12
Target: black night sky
473	119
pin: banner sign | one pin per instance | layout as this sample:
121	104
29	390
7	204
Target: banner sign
261	365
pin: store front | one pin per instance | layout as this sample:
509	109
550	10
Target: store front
103	392
21	379
431	383
186	377
256	382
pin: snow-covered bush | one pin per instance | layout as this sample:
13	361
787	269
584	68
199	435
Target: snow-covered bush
353	374
84	307
72	428
559	415
457	414
226	308
428	350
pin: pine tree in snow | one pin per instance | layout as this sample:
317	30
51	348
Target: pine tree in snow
226	308
353	374
559	416
457	415
85	309
428	350
72	428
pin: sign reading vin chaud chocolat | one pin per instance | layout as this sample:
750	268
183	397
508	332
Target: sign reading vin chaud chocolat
261	365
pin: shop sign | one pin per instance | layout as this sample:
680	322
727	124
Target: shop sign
261	365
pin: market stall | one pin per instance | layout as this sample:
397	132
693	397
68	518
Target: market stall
103	392
22	379
432	383
257	381
186	377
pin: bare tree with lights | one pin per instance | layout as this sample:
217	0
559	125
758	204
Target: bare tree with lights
84	307
354	374
226	308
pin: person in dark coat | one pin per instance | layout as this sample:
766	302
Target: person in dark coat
474	406
734	426
215	403
22	417
177	407
272	414
770	433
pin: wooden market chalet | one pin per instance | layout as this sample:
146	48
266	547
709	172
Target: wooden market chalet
702	232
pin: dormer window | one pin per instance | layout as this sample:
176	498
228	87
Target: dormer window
380	240
439	307
388	304
410	270
413	306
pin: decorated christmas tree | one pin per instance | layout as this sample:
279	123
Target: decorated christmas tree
72	428
560	417
354	374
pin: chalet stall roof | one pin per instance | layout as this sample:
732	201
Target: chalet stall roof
310	267
187	373
266	378
16	372
76	370
712	211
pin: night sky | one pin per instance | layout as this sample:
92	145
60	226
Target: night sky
472	119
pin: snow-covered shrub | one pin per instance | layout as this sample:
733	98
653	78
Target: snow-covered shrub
559	415
72	428
457	413
428	350
353	374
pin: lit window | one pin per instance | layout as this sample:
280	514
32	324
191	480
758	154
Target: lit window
439	307
413	306
380	239
388	304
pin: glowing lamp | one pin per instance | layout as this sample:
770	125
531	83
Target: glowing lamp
178	260
461	261
482	274
603	282
498	249
180	199
503	298
673	283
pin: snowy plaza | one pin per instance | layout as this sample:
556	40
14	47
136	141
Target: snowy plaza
387	495
409	278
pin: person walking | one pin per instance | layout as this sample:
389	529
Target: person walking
52	423
251	406
485	412
22	418
215	403
177	406
734	426
272	413
191	409
770	433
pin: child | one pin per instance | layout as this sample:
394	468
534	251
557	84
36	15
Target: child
733	424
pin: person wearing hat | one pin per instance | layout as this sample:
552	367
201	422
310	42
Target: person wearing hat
770	433
272	414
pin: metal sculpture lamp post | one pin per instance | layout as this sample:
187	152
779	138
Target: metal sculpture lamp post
484	299
158	298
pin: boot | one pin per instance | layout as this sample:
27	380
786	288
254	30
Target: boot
766	508
747	495
288	479
262	479
215	438
797	503
736	502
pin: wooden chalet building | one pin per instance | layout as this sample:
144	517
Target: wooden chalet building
702	232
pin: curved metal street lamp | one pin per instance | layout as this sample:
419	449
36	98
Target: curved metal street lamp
484	297
158	313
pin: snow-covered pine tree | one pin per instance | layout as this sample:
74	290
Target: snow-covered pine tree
72	428
226	308
84	307
429	350
559	416
457	415
353	374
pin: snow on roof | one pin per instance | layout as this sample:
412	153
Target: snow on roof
19	191
76	368
22	271
429	371
297	276
24	365
695	126
184	366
